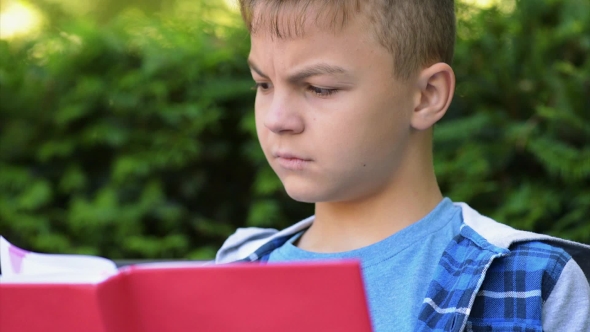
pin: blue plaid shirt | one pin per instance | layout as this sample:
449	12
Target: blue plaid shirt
481	287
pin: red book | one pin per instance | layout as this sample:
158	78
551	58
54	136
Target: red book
184	297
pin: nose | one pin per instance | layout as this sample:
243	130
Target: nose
283	116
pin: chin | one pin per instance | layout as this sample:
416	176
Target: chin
310	192
302	196
303	192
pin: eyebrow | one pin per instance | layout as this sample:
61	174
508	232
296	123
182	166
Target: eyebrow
254	68
307	72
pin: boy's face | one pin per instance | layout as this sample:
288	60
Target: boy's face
332	121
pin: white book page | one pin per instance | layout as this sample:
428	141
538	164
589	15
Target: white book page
169	265
22	266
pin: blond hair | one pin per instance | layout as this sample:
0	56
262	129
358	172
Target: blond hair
418	33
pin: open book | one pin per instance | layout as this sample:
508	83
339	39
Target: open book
67	293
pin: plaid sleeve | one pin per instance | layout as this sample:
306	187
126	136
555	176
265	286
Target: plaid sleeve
481	287
516	286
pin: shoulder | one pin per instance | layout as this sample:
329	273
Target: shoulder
540	283
531	268
525	246
538	287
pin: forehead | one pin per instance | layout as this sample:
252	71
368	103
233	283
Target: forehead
314	41
291	19
350	54
291	39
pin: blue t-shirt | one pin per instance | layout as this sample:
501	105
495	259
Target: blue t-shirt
396	270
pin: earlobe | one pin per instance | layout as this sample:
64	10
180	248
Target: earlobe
436	86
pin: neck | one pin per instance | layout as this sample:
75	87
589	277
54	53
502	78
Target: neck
411	194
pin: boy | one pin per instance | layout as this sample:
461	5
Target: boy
347	94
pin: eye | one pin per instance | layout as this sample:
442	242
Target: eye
321	92
261	86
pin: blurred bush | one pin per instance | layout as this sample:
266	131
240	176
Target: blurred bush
516	142
135	138
128	140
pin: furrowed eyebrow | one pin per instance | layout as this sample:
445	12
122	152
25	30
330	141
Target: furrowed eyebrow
254	68
313	70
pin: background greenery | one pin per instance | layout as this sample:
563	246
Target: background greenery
128	131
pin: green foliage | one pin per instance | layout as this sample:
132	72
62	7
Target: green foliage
515	142
136	138
124	140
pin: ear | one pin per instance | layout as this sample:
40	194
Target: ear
436	86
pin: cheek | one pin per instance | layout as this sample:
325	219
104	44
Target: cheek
259	114
366	135
388	119
373	120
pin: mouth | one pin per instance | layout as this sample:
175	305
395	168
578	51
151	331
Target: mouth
291	161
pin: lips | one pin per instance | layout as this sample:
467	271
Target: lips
291	161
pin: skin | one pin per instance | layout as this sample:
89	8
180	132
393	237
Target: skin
342	132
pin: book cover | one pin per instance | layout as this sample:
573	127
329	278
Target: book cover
43	292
